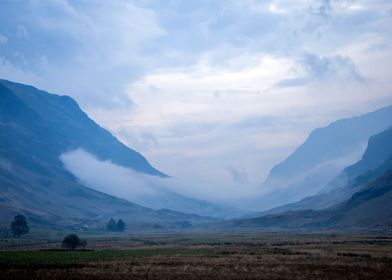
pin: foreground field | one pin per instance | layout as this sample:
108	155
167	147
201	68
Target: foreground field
208	256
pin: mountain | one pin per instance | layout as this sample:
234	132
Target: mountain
71	127
322	157
376	160
35	129
369	208
379	150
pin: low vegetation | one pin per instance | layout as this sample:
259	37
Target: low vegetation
72	241
208	256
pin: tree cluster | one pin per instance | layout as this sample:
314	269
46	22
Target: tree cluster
112	225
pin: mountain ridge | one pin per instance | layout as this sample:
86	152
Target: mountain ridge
369	208
376	160
33	180
321	157
65	113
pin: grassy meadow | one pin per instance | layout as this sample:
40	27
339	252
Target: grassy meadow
208	255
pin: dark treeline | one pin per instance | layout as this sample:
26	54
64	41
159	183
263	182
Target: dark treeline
112	225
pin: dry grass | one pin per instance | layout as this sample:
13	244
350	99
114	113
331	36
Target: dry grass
211	256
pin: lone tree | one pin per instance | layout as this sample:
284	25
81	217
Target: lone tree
19	226
120	225
111	225
71	241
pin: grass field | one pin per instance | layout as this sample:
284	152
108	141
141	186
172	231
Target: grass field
207	256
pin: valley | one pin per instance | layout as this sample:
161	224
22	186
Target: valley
196	140
207	255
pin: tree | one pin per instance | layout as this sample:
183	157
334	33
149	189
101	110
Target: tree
120	225
19	226
111	225
71	241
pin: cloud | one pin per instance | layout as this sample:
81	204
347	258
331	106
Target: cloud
324	69
118	181
239	175
295	82
3	39
108	177
91	50
330	67
145	141
198	86
22	32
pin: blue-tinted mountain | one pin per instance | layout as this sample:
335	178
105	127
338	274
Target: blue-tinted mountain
338	139
73	128
324	154
379	150
362	202
35	129
376	160
368	208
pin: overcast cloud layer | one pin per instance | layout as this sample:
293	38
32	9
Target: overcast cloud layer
214	90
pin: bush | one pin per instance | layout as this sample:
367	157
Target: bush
73	241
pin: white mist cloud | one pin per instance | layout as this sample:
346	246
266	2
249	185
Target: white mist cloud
108	177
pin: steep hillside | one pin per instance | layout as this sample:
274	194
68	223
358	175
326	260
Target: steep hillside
71	128
35	128
378	150
368	208
324	154
337	140
376	160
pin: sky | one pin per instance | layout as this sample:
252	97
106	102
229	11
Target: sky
215	90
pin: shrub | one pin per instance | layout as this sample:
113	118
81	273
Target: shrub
73	241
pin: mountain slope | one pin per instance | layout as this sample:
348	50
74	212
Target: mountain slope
379	149
376	160
338	139
322	157
369	208
76	129
35	129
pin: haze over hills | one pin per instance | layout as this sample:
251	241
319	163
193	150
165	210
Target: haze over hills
36	128
151	191
361	201
376	160
369	208
48	145
323	155
198	139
